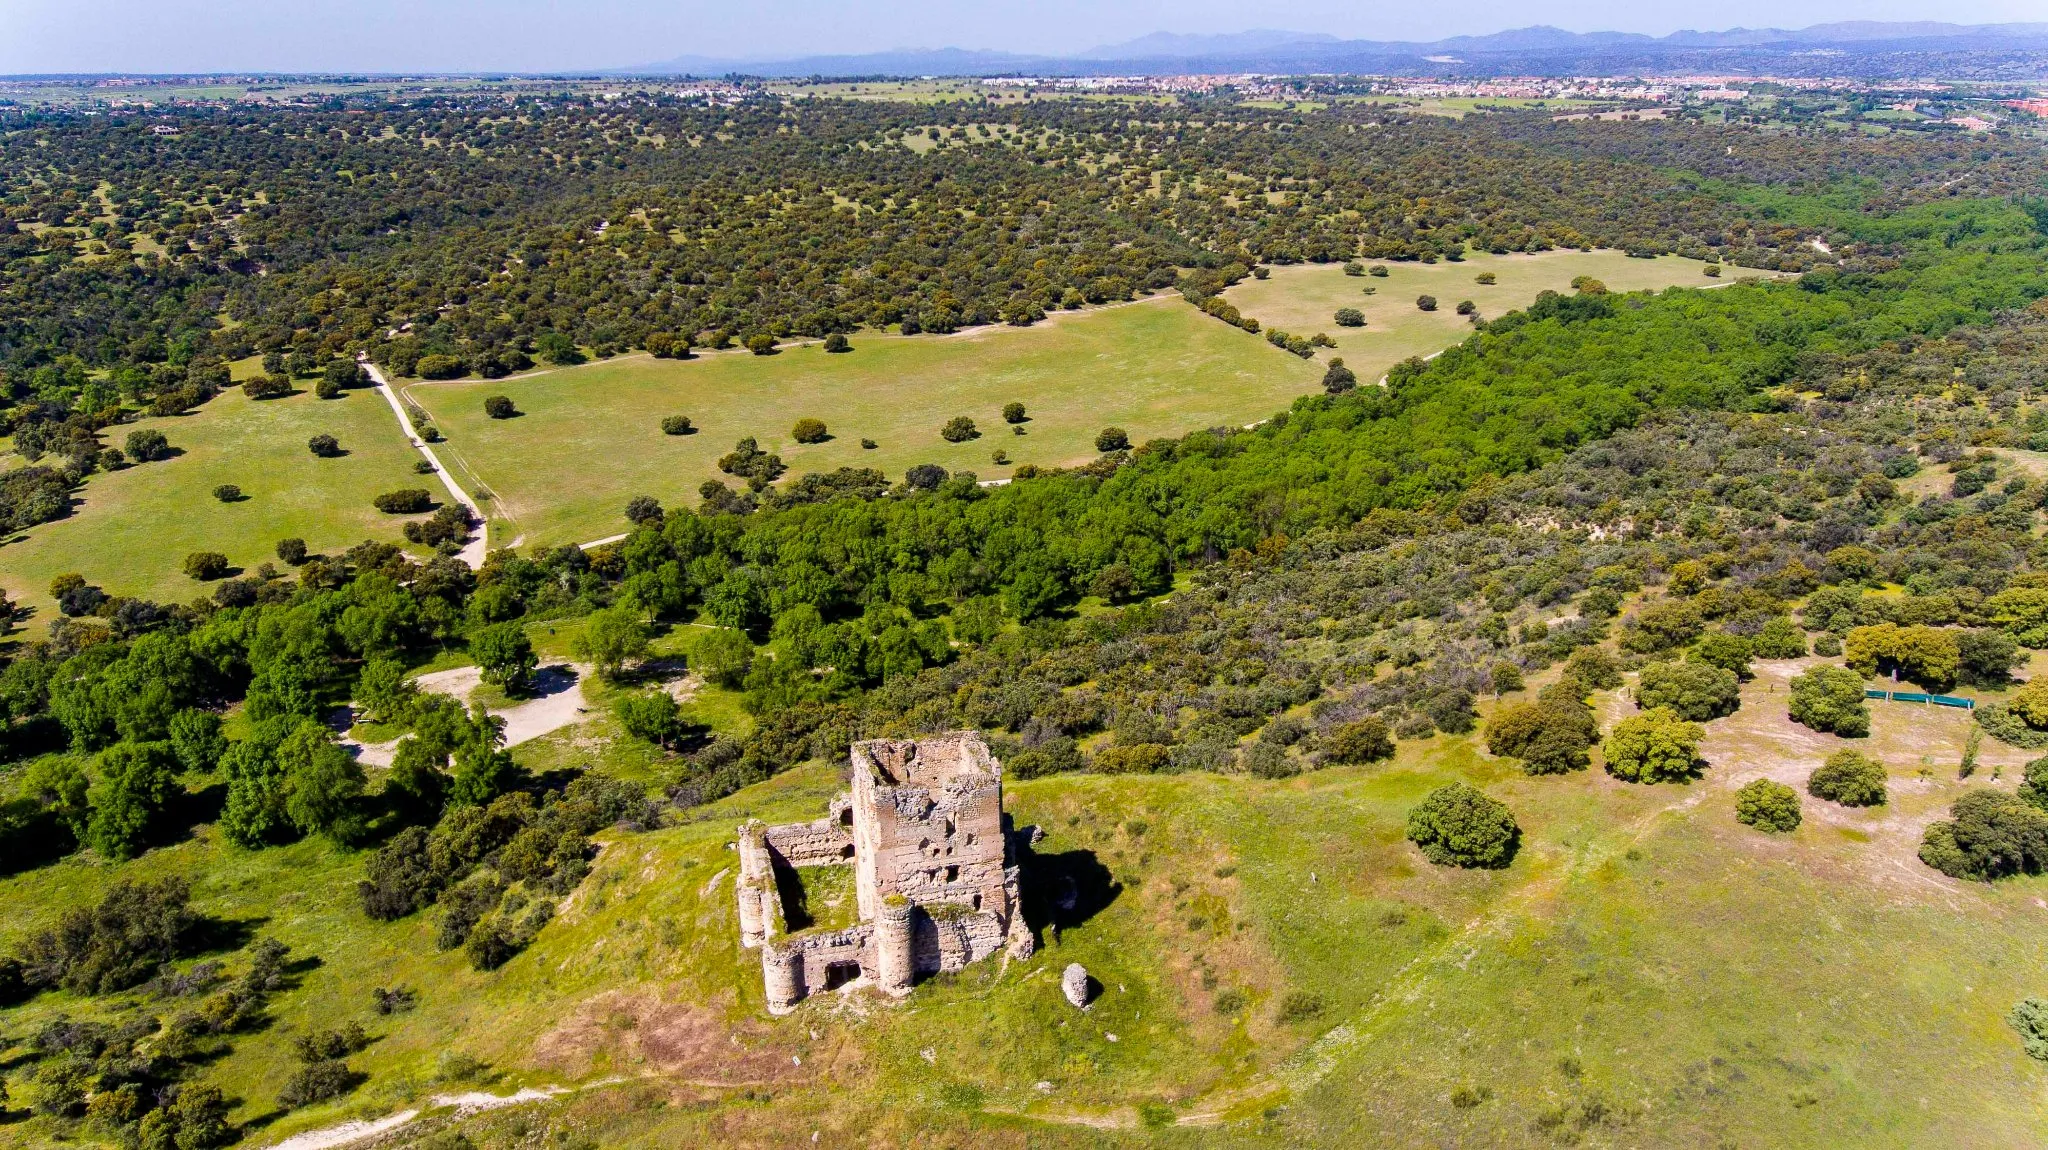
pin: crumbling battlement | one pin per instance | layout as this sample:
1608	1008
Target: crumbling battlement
934	876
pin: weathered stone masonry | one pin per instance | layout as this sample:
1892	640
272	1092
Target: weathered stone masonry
935	877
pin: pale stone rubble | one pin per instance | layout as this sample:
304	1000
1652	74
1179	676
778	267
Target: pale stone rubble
935	875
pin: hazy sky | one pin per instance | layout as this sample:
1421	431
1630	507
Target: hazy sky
535	35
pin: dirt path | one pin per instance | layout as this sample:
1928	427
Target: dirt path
472	553
556	701
350	1133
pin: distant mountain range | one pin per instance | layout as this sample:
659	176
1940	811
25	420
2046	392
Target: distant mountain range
1855	47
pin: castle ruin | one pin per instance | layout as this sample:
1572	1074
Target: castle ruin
934	874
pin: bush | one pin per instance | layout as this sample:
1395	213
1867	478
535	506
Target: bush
326	389
500	407
1363	741
1990	835
439	367
1467	307
958	429
1378	271
836	343
677	425
1300	1006
2029	1017
761	343
117	944
1780	639
206	565
148	446
1694	691
1720	649
1850	778
1662	626
1338	379
228	493
1142	759
1830	699
1484	278
1767	806
1458	826
292	551
1013	413
1550	736
1652	747
1112	439
407	501
324	446
267	387
318	1082
1594	667
342	373
809	430
1425	302
1350	317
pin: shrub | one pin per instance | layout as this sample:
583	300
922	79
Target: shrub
1378	271
1830	699
292	551
1458	826
1484	278
2029	1017
1767	806
407	501
1989	835
1661	626
326	389
958	429
1652	747
836	343
1112	439
1780	639
1300	1006
1550	736
1594	667
677	425
1467	307
343	373
1142	759
324	446
1695	691
1013	413
267	387
1338	379
1850	778
1425	302
1350	317
148	446
809	430
206	565
1364	741
1720	649
318	1082
761	343
500	407
2034	783
228	493
117	944
439	367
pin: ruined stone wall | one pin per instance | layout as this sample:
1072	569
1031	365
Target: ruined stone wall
801	965
826	842
927	821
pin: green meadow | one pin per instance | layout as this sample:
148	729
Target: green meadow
1302	299
589	438
130	530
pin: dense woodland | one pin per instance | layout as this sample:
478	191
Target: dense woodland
1677	484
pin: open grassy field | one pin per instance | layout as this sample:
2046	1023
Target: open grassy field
590	436
130	530
1648	972
1302	299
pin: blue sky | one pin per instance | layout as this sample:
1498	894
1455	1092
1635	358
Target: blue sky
536	35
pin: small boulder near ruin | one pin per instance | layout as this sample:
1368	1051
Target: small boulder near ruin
1074	984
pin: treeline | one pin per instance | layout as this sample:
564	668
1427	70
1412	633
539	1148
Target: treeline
481	232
